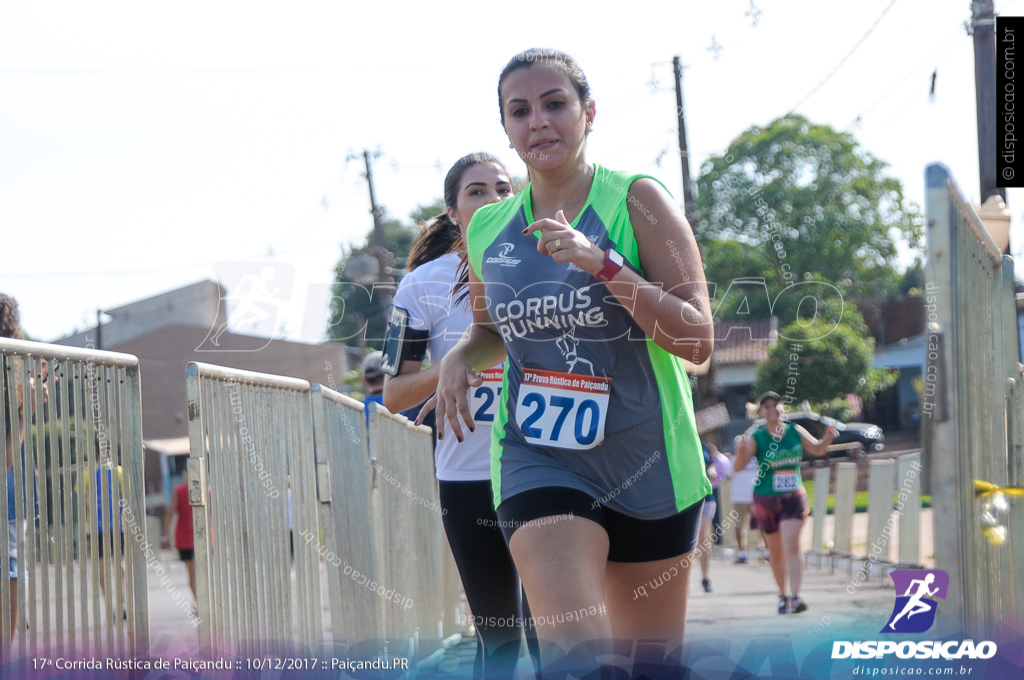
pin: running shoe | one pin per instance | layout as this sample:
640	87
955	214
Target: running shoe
783	604
741	558
797	605
707	585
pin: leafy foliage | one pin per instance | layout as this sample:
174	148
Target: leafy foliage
795	201
820	362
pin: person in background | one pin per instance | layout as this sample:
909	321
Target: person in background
431	313
14	434
717	466
183	536
780	501
373	378
95	511
742	499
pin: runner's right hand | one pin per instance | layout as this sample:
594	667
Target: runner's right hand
456	375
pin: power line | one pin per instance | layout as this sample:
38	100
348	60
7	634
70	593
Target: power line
957	35
848	55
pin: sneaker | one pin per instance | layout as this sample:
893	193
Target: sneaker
797	605
741	558
783	604
707	584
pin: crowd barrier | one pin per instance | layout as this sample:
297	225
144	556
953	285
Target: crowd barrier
295	503
78	432
365	512
251	458
411	527
893	517
352	547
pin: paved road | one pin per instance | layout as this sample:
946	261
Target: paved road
741	608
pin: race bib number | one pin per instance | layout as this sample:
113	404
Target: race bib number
784	481
483	400
562	409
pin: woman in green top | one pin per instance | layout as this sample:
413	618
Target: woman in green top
780	502
590	285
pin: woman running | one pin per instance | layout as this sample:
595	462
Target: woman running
431	311
590	282
780	501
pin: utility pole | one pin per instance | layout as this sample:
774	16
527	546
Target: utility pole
983	29
705	394
378	229
688	206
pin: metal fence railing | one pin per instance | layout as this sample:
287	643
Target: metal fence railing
891	528
366	520
407	506
76	461
252	457
974	426
273	464
351	540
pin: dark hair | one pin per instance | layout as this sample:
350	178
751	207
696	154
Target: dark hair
440	235
554	59
10	327
10	318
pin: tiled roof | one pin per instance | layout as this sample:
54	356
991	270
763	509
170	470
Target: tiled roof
744	342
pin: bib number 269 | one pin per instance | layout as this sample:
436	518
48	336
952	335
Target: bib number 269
563	410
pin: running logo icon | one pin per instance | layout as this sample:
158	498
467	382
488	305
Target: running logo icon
914	611
504	257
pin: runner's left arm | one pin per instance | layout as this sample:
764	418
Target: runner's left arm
670	302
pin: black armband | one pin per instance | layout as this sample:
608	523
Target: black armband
402	343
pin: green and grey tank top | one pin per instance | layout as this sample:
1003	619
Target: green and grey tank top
588	400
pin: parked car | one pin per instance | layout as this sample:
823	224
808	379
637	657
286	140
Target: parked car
855	441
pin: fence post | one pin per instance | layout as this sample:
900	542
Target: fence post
351	518
846	481
881	487
908	503
821	479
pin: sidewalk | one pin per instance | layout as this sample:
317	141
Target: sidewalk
743	603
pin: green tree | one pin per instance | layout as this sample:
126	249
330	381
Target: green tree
727	264
820	362
808	202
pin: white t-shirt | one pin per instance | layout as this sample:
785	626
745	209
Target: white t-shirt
743	483
426	294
